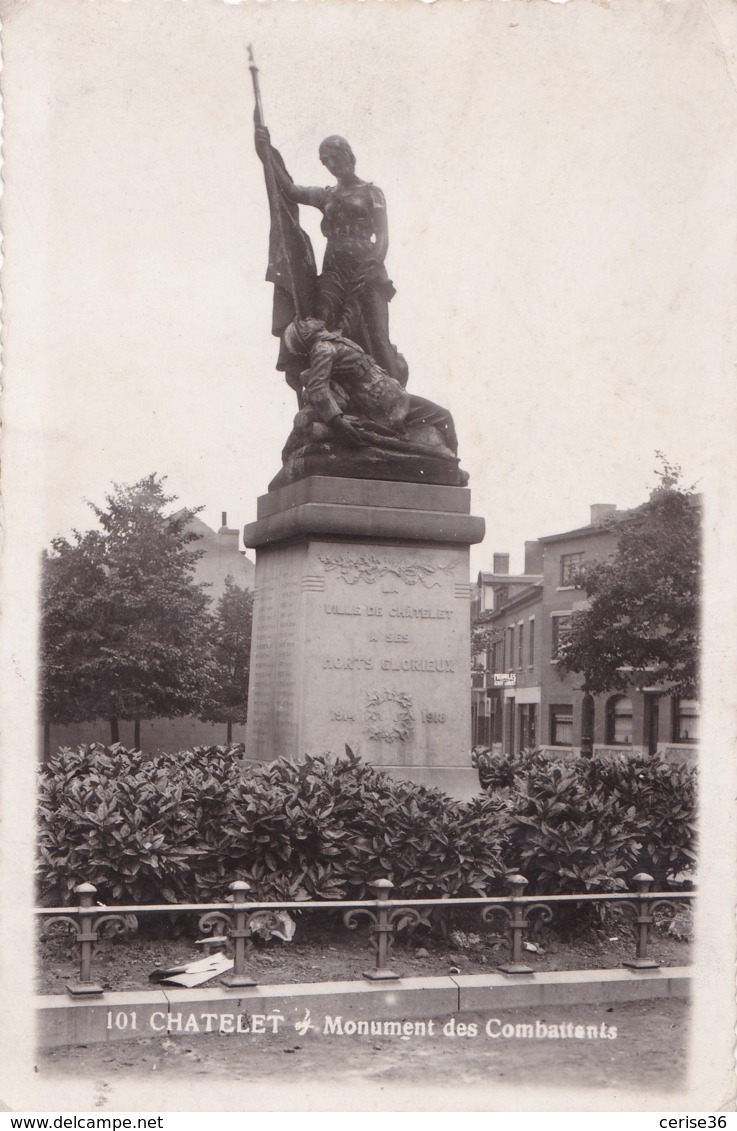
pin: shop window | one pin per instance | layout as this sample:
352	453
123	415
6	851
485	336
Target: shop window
686	720
570	564
561	725
619	721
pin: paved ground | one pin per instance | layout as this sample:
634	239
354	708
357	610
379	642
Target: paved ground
649	1051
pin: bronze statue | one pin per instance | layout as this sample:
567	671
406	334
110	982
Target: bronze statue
356	418
354	290
354	414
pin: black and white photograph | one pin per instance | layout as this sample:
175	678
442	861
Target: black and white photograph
368	711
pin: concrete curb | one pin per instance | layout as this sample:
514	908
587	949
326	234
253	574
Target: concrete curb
262	1009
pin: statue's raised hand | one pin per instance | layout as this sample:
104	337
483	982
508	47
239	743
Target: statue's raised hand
262	139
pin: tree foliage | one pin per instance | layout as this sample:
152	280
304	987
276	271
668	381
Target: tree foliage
74	613
231	644
125	627
642	623
483	633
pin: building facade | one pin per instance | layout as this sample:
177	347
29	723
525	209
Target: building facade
520	698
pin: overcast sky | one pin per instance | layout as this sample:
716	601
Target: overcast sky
560	183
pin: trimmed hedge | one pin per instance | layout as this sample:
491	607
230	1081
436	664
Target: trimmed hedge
592	823
180	827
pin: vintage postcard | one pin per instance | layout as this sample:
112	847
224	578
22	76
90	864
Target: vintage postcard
436	302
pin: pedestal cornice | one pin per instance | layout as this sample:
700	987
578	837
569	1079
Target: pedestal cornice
359	508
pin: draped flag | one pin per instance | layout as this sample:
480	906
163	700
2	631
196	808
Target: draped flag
291	267
291	260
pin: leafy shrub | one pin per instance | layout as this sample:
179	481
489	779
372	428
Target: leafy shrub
181	827
329	828
563	837
126	822
589	824
497	770
663	797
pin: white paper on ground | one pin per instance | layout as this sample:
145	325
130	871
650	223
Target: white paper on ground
202	970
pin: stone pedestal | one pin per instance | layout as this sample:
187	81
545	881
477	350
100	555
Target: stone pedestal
361	626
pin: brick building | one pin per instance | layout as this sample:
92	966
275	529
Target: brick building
520	700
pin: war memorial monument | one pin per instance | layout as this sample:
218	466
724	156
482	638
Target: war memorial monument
361	619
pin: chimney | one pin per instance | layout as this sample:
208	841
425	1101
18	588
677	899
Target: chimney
501	563
533	557
602	511
227	536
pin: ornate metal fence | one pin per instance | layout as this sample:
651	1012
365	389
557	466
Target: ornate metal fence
237	918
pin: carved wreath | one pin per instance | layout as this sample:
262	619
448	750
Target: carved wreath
367	568
389	716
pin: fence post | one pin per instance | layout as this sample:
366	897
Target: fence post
643	882
239	933
86	937
517	925
382	930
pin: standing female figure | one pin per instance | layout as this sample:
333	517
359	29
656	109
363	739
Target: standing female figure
354	289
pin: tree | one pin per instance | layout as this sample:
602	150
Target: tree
73	617
231	641
483	633
642	623
125	628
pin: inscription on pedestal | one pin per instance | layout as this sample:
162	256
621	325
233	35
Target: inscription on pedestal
391	674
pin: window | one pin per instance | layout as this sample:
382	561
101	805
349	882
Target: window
686	720
561	628
561	725
569	567
510	646
531	643
520	645
498	656
619	721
